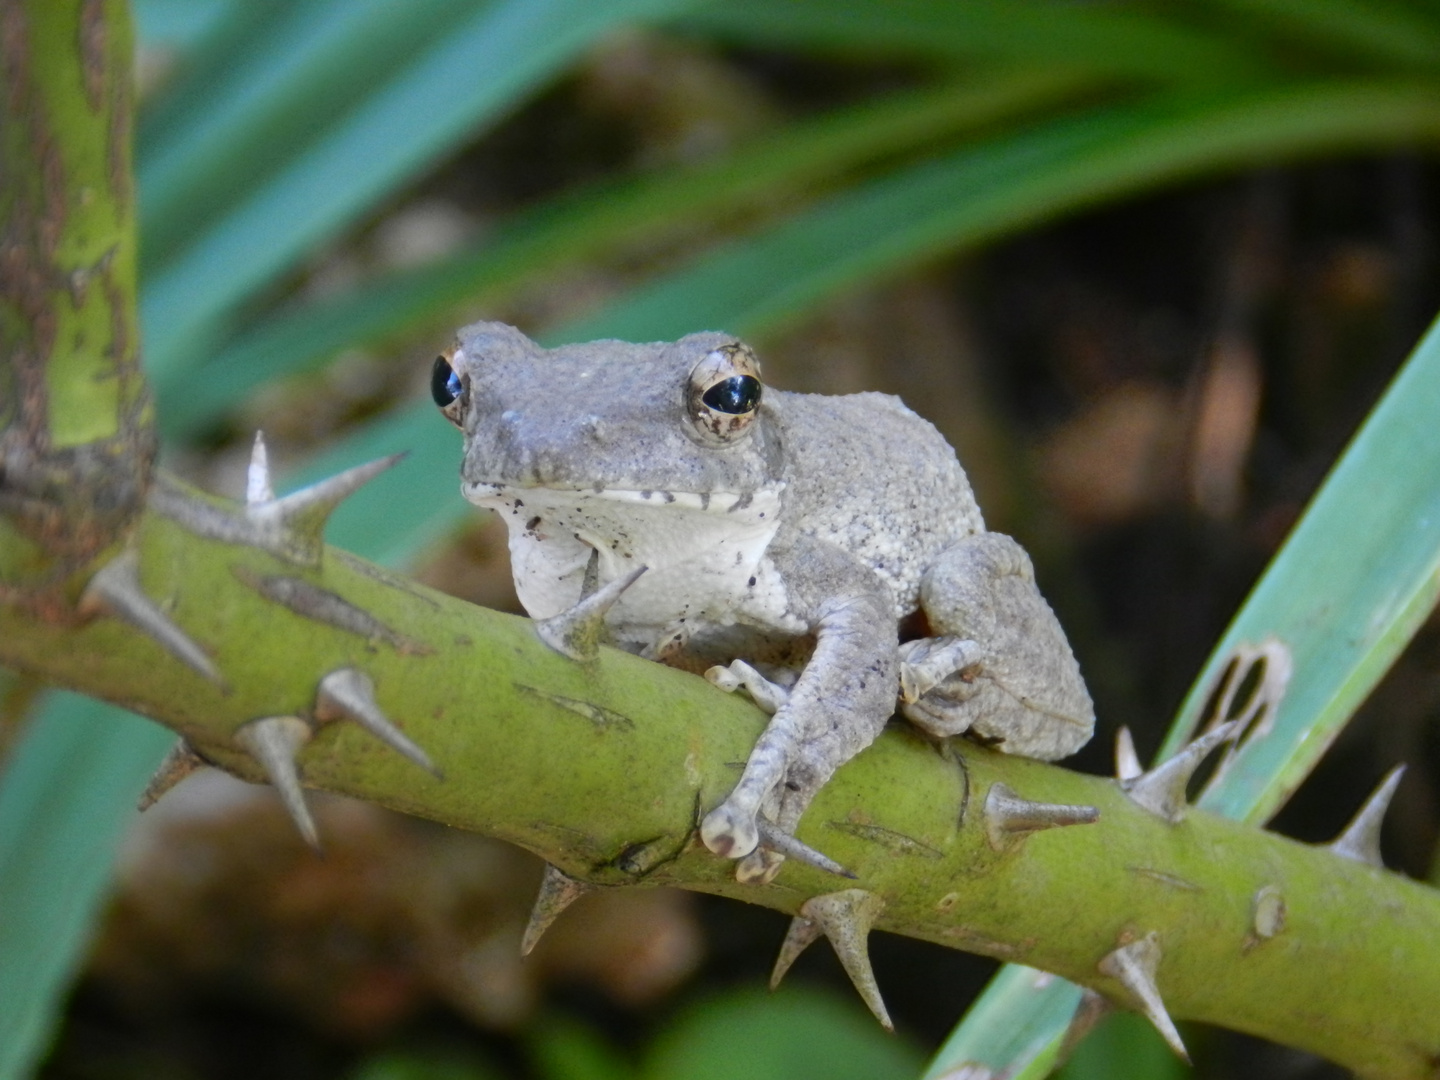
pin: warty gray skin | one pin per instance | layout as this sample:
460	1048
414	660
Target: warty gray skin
795	535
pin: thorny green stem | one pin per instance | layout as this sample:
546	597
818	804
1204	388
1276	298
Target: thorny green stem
602	768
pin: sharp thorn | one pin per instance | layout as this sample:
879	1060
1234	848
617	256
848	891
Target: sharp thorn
180	762
845	918
1127	762
293	526
1162	789
310	506
799	937
775	839
258	488
115	590
1361	839
590	580
1009	818
349	694
576	632
1134	966
274	743
558	890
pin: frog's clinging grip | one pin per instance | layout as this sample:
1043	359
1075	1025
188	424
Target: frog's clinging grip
792	532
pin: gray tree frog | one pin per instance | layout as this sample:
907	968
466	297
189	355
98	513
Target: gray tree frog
785	534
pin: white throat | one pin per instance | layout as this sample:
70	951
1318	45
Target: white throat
705	554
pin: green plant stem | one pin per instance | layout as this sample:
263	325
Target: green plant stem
602	769
76	447
75	434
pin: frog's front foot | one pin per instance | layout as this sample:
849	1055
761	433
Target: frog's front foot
724	830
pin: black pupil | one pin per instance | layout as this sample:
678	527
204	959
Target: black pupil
737	394
444	383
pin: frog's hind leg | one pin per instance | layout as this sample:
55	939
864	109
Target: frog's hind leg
1000	665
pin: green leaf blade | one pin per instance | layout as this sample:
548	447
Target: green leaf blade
1109	38
982	193
307	66
1357	577
574	228
65	798
469	77
1367	31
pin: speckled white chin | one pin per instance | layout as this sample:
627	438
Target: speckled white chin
705	554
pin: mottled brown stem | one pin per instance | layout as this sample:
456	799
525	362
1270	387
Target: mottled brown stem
76	437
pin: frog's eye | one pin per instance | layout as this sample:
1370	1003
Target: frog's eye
737	394
724	393
448	390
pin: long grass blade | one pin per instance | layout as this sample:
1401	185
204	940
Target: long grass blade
1373	32
983	192
580	227
304	67
177	24
502	51
66	795
1097	37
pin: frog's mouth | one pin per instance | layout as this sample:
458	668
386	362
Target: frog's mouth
758	504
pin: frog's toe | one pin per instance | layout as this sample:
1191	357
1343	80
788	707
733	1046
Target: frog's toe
730	832
721	676
927	662
759	867
770	696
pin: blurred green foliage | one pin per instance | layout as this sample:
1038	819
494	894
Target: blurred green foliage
750	1034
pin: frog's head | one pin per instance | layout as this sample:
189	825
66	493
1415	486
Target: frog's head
668	418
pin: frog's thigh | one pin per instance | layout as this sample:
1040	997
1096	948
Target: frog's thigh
1015	679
